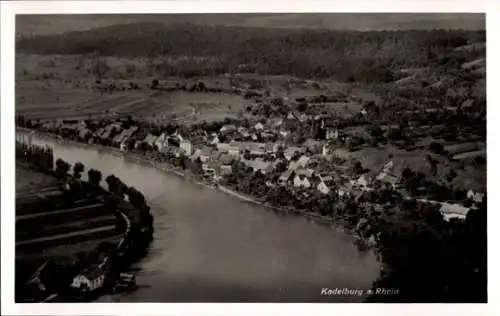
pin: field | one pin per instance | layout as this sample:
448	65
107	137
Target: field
50	87
28	180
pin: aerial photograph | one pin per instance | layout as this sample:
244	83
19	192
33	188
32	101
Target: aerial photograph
251	158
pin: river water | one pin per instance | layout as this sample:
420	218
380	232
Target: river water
212	247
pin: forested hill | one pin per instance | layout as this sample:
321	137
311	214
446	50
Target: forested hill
305	53
60	23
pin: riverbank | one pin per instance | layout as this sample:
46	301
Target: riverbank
186	174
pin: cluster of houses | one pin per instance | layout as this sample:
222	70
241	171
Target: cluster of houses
261	147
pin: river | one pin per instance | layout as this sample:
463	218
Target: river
212	247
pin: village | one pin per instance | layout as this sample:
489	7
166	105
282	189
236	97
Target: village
309	157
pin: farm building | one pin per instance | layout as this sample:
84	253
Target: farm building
90	280
453	211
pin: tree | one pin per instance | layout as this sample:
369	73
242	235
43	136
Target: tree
479	161
95	177
436	148
375	131
62	168
357	167
407	173
154	84
112	182
78	169
302	107
451	175
137	198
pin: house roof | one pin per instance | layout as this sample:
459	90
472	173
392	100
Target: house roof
292	116
223	147
293	165
303	160
257	164
206	151
447	208
286	175
305	172
225	159
290	151
229	127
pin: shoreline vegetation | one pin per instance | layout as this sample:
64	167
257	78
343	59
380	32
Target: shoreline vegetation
133	224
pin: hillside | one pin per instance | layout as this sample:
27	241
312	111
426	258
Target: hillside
191	50
53	24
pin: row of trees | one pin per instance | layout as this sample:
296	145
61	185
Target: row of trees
38	157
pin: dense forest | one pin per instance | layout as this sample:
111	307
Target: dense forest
209	50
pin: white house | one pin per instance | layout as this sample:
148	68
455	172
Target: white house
341	192
475	196
361	182
301	163
332	134
233	151
214	140
259	126
258	165
89	280
187	146
228	129
301	181
162	142
326	184
225	169
284	133
123	146
150	139
302	178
